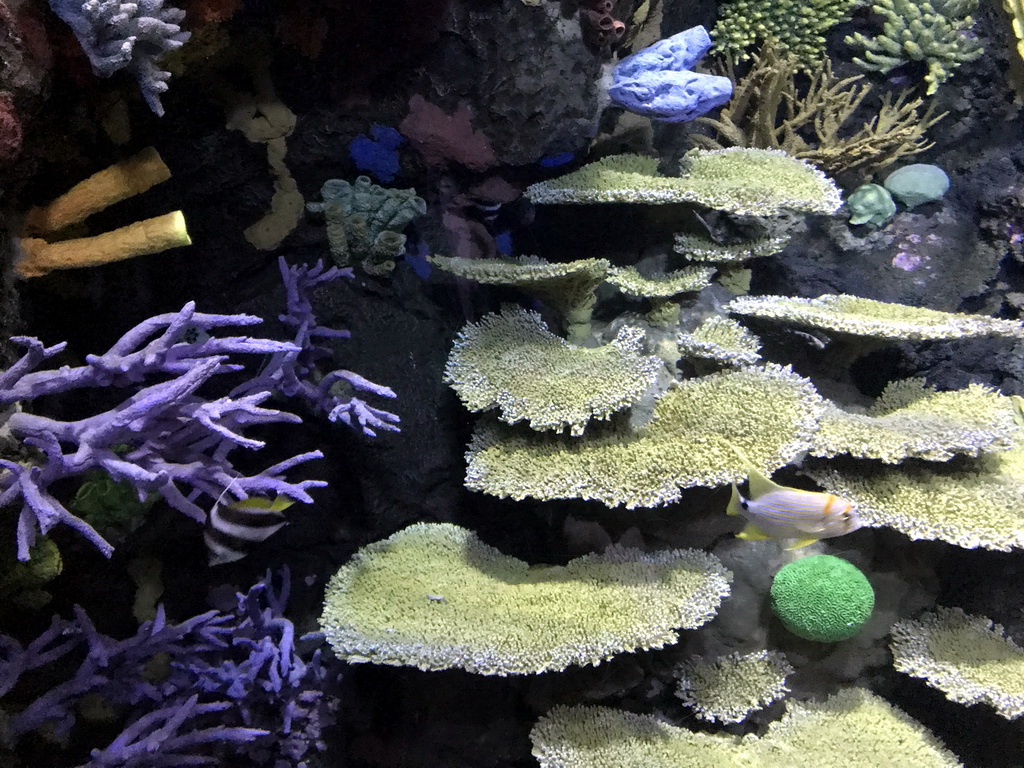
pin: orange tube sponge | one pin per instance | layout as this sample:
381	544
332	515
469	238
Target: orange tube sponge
142	237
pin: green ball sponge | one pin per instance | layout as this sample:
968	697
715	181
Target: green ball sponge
822	598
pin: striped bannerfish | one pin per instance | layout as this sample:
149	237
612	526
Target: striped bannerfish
774	511
231	529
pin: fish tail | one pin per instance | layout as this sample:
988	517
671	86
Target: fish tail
735	506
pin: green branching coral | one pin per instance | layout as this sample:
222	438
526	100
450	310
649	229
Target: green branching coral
855	316
565	287
912	420
756	182
700	433
854	728
970	503
721	339
701	248
932	31
966	657
632	283
729	688
365	221
793	26
434	596
511	361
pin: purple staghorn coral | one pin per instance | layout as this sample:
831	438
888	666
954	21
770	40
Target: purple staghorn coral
132	36
236	682
295	374
165	438
178	444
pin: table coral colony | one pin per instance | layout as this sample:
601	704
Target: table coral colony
699	430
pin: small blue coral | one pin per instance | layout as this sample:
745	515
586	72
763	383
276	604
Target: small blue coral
133	36
377	154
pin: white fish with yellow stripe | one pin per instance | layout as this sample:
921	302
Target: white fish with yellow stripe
775	511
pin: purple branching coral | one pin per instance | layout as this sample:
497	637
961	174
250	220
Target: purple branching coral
166	438
295	374
133	36
235	681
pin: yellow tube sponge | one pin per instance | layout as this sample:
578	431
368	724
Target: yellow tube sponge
972	503
512	362
756	182
434	596
852	315
122	180
854	729
729	688
911	419
704	432
138	239
968	658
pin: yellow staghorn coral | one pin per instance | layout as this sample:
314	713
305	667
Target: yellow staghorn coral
966	657
855	316
729	688
854	728
911	420
701	432
511	361
756	182
434	596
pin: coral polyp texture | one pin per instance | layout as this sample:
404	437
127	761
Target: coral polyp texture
856	316
970	503
822	598
512	362
911	420
705	432
756	182
688	280
729	688
795	28
968	658
936	32
703	248
723	340
855	728
434	596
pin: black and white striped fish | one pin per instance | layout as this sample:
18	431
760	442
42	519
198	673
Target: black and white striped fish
233	528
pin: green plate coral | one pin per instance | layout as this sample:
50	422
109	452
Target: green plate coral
854	728
701	432
434	596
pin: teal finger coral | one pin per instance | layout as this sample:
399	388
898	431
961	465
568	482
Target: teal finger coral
822	598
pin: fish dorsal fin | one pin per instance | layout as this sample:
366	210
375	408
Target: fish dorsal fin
759	485
277	504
